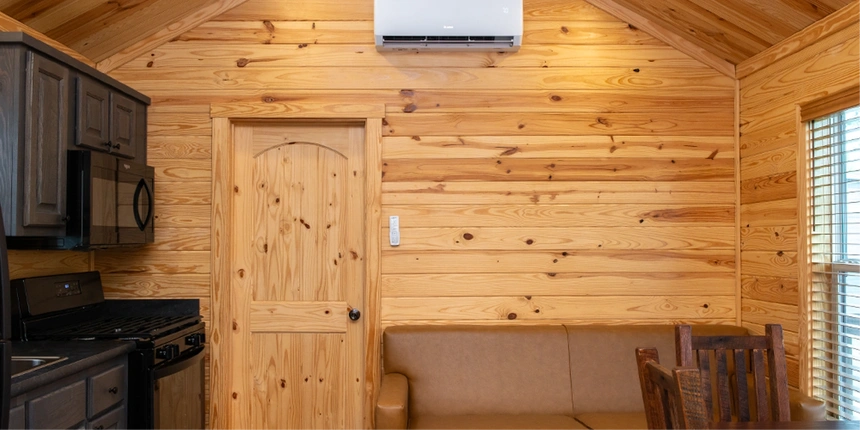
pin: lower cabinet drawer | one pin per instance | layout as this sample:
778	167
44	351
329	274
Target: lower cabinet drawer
60	409
105	390
114	419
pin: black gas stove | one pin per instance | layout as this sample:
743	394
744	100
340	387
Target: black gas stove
166	386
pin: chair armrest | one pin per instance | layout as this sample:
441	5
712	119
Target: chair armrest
805	408
392	408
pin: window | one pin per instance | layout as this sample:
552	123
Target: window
834	251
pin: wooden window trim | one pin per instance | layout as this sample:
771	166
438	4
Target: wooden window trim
835	102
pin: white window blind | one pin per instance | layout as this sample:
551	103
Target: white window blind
834	214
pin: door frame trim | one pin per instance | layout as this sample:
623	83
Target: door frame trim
224	116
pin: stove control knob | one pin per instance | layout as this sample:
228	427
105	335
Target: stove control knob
164	353
195	339
174	348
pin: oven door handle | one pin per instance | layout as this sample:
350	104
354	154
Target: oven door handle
179	365
142	186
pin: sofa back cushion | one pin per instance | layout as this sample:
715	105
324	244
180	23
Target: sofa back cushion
603	362
460	370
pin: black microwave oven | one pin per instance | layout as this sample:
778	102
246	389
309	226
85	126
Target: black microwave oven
110	201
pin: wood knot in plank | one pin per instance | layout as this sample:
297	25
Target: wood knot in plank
512	316
283	383
235	326
556	98
510	151
269	26
468	236
410	108
565	30
407	93
416	138
242	62
235	395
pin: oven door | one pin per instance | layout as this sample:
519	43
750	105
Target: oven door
135	209
179	393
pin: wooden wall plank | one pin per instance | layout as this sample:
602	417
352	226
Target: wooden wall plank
557	192
562	146
548	308
768	238
467	261
769	289
670	124
595	169
270	31
561	78
585	215
556	284
24	264
569	238
253	56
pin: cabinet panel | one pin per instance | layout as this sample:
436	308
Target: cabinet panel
46	140
16	417
115	419
60	409
122	130
93	108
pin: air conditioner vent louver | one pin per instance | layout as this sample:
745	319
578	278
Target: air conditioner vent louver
445	39
487	25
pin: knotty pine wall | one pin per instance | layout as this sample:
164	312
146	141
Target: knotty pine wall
587	178
769	146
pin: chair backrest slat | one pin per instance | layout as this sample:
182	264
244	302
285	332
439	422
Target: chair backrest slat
760	389
724	390
769	387
741	382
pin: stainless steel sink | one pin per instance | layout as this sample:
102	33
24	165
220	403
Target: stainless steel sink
22	365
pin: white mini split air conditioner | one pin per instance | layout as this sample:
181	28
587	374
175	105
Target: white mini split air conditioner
487	25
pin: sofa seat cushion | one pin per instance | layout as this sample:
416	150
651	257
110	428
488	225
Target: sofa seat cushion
494	422
614	420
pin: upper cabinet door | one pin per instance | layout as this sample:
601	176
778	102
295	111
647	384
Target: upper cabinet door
105	119
93	108
123	113
46	140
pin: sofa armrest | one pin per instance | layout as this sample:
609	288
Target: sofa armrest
392	408
805	408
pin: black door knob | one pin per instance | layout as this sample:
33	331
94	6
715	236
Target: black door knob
354	314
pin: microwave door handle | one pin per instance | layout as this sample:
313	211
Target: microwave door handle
142	186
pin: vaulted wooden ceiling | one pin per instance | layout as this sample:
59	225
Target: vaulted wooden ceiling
729	30
723	33
100	28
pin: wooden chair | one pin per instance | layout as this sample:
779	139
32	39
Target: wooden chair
748	355
673	400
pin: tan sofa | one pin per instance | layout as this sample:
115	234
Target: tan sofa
550	376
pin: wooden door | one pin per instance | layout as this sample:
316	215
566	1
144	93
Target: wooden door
297	245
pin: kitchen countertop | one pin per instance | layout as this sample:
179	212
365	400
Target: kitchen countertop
81	355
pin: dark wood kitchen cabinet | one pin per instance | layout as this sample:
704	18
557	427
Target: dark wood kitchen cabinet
107	119
94	398
51	103
36	124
